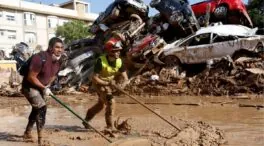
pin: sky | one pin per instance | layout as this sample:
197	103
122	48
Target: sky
100	5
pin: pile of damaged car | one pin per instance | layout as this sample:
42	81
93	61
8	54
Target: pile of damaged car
179	38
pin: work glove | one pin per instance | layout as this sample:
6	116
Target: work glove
124	84
112	83
47	92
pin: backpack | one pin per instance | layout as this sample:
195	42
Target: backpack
24	69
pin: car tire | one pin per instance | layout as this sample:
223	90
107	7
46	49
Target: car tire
260	50
136	17
115	13
221	12
243	53
171	70
259	47
154	3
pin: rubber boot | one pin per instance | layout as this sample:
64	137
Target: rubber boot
27	134
40	133
41	118
40	137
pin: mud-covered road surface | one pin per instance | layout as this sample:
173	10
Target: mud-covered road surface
229	121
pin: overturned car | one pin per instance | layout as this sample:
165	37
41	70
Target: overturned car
178	14
118	11
227	11
212	42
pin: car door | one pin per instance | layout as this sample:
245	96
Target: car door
224	45
199	49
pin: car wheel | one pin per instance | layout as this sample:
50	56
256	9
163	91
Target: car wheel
136	18
221	12
115	13
171	70
243	53
154	3
260	50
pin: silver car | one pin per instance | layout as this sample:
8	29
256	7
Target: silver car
211	42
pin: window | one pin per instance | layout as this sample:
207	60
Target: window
200	39
2	32
29	18
30	37
52	21
218	38
11	34
87	10
10	17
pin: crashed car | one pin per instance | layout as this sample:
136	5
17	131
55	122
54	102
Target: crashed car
178	14
21	53
210	43
118	11
227	11
143	51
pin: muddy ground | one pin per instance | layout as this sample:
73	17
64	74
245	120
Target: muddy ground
234	120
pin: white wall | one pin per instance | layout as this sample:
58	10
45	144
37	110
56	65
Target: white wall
18	7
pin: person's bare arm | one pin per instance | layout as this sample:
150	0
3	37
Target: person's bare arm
32	78
99	81
124	75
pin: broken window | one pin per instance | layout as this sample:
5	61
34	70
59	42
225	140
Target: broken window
217	38
200	39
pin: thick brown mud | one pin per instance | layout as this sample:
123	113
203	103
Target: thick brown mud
203	120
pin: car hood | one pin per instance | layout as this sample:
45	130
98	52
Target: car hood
172	46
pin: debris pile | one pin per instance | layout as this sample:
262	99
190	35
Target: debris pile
224	77
144	84
10	83
245	75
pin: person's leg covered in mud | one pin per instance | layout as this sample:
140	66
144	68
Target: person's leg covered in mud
37	114
109	111
41	119
95	109
31	122
108	98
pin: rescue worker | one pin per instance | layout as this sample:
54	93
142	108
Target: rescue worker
42	71
107	68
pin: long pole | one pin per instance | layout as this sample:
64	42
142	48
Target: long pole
69	109
124	92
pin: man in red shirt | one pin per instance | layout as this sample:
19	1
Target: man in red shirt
43	69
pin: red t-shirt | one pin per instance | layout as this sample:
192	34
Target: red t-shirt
46	69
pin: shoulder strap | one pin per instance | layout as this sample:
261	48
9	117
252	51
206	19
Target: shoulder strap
43	58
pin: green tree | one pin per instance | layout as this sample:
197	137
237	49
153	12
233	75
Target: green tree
73	30
256	12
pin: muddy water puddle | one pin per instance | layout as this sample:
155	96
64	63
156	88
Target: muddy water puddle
243	126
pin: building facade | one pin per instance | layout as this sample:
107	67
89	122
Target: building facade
35	24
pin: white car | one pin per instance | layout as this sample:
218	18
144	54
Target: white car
209	43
